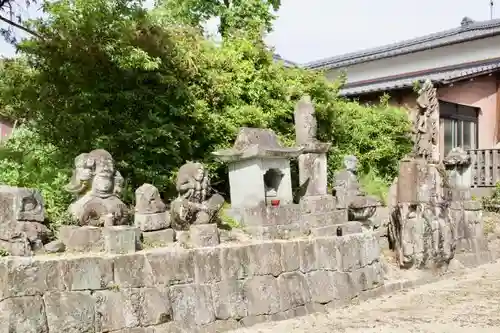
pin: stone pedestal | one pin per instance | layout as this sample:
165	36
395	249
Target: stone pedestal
152	222
313	170
81	239
204	235
158	238
121	239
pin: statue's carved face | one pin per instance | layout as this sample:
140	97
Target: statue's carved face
351	163
29	206
148	200
200	174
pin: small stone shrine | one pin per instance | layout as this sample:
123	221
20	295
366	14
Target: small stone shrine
259	169
360	206
22	232
260	183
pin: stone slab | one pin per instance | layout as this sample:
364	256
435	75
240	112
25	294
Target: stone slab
158	238
152	222
121	239
81	239
203	235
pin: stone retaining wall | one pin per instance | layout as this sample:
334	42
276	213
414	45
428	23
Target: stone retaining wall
180	290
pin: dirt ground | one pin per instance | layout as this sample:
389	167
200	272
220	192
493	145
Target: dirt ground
469	302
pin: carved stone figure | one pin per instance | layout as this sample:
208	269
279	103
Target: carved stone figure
22	232
361	207
148	200
97	184
150	211
312	161
425	121
194	205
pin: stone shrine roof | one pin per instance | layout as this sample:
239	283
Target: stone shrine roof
257	143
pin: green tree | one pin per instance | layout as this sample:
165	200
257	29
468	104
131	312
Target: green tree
249	15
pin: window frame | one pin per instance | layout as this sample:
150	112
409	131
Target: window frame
457	112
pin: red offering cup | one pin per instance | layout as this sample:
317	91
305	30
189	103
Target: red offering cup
275	202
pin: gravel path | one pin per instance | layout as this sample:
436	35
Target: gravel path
460	304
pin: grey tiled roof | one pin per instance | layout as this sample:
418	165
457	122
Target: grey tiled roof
466	32
442	77
287	63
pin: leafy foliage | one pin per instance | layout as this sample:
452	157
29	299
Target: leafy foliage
154	93
491	203
234	15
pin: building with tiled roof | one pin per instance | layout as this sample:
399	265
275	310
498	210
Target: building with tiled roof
462	62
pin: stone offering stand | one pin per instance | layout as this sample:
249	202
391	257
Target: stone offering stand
173	269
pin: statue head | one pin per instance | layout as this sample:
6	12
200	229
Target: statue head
351	163
95	172
103	165
425	95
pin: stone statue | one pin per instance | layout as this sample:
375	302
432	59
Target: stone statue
97	184
361	207
148	200
150	211
22	232
425	124
194	205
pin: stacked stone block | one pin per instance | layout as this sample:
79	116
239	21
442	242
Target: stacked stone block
176	290
316	215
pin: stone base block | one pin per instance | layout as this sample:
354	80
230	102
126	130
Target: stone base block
276	232
338	230
81	239
158	238
204	235
314	204
152	222
121	239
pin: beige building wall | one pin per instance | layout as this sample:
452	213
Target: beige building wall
481	93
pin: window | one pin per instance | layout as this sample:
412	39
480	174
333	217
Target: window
458	127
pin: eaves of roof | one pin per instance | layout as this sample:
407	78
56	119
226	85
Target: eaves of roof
468	32
441	77
287	63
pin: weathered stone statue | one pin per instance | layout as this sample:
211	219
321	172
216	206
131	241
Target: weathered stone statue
426	124
150	211
148	200
22	232
97	184
361	207
194	205
422	231
313	175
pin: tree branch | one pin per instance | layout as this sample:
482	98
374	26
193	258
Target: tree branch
19	26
